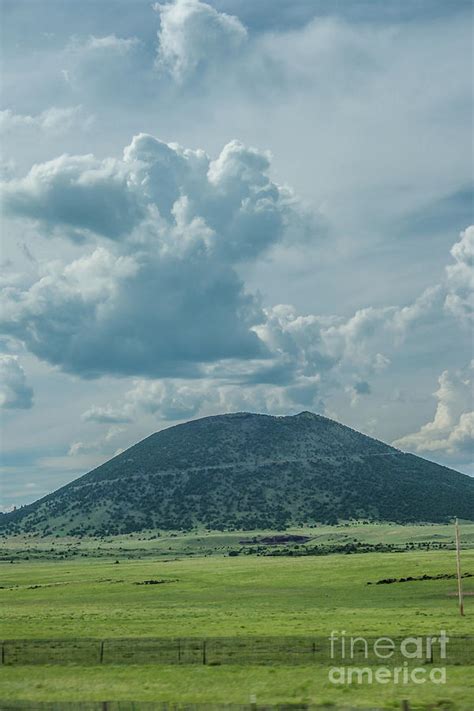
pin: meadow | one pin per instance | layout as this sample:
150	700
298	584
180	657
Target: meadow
201	592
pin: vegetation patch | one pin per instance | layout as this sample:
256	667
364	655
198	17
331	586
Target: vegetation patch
411	578
276	539
155	582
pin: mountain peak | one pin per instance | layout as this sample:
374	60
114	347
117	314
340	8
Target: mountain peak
246	470
307	413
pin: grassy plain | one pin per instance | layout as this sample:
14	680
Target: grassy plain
210	594
166	544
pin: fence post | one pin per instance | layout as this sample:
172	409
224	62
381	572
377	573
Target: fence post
405	705
101	657
204	651
3	653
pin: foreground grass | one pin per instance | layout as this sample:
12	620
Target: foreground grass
225	685
224	596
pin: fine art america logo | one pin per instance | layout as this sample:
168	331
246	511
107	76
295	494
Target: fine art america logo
384	660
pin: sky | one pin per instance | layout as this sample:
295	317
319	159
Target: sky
233	206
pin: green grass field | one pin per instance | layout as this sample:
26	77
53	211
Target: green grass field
144	545
221	596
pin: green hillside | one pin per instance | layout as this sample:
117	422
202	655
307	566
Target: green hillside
244	472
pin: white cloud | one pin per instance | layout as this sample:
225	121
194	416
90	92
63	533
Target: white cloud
171	400
451	432
421	309
354	344
107	43
177	399
57	119
99	445
167	399
229	203
107	414
15	393
460	278
195	37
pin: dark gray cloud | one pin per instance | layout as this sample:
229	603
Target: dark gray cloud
76	193
148	315
362	388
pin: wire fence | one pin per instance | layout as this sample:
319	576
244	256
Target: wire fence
214	651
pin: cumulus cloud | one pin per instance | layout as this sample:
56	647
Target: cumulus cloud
451	432
195	37
15	393
160	296
230	202
52	119
312	343
460	278
166	296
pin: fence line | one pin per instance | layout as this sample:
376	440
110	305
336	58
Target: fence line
214	651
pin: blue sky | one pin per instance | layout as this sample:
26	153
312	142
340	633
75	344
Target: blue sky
233	206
